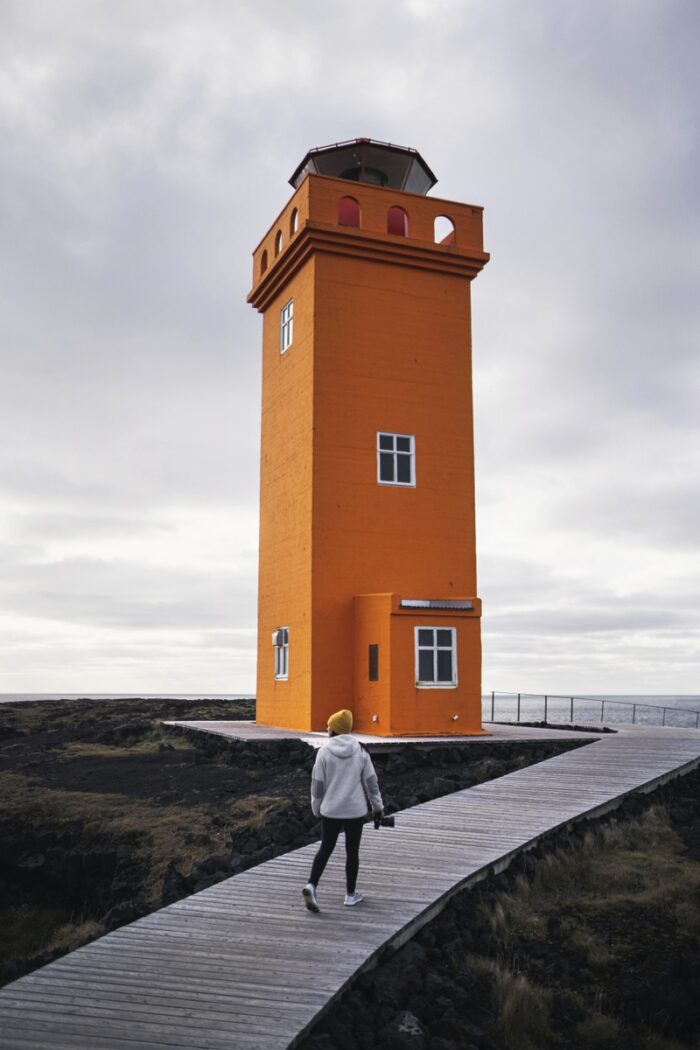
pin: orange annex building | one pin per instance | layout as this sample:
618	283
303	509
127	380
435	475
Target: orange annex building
367	579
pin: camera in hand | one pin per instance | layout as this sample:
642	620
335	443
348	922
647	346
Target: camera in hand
384	822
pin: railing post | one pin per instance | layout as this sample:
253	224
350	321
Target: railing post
663	718
493	704
545	707
602	711
518	707
571	718
634	713
697	719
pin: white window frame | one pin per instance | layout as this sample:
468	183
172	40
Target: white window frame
280	640
435	648
286	326
393	451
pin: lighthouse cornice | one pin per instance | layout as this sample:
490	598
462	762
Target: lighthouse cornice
373	222
317	237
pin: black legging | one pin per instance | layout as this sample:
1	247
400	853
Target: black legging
353	834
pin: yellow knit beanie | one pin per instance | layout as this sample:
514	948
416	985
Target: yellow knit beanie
341	722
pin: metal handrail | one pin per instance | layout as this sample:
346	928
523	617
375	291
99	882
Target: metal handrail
634	704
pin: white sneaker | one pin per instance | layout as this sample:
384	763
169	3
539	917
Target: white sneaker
352	898
309	893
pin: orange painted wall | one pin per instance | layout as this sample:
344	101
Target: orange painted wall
431	711
395	705
372	626
284	598
382	342
391	353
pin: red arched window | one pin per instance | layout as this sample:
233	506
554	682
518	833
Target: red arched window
444	230
397	221
278	242
348	212
263	262
294	223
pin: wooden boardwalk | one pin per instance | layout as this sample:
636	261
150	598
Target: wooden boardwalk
243	964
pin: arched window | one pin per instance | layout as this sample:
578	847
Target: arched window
294	223
348	212
444	230
397	221
278	242
263	262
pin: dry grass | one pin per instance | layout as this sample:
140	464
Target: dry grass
628	891
598	1032
638	861
251	812
74	934
521	1008
30	929
146	745
155	833
653	1041
27	930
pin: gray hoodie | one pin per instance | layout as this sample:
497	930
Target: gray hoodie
342	773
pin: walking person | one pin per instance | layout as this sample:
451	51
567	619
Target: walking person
342	779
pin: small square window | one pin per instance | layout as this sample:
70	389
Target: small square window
396	459
436	657
280	641
286	326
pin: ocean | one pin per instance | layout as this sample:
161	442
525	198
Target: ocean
682	710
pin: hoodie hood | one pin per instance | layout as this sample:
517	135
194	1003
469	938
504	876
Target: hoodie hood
343	746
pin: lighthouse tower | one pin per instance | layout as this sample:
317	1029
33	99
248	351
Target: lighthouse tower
367	580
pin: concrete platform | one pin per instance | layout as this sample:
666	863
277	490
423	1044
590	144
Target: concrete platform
496	733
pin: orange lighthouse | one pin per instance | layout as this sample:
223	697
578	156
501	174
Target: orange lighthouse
367	578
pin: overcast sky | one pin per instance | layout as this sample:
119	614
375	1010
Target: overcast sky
145	147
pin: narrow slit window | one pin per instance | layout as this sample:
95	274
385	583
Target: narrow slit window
280	641
374	663
396	459
286	326
294	223
436	657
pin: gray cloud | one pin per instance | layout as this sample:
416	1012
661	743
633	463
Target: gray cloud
143	157
128	594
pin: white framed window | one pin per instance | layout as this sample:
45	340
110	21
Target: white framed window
396	459
286	326
436	657
280	641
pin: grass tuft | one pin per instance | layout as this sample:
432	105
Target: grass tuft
619	908
521	1008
